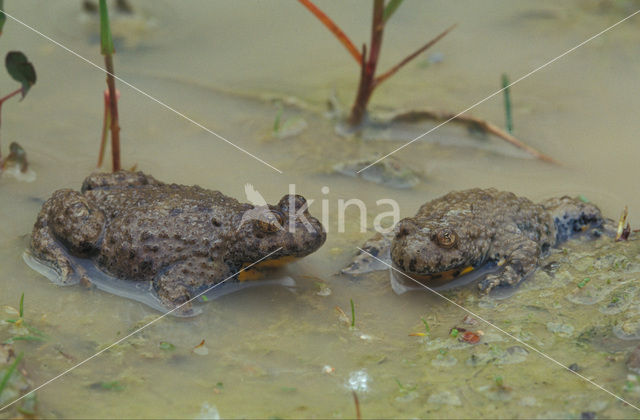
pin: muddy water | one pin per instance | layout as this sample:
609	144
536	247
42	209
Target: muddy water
268	348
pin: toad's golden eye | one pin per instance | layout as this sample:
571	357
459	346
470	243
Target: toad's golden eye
446	238
279	218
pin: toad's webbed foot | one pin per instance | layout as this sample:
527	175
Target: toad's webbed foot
117	179
67	224
519	262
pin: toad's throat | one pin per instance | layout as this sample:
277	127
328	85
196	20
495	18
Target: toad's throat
443	277
260	270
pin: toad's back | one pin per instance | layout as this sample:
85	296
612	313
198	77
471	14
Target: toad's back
493	211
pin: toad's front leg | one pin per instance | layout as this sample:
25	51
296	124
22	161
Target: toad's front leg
184	280
68	224
519	261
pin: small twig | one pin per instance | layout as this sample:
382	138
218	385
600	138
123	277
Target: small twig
476	123
410	57
335	29
357	404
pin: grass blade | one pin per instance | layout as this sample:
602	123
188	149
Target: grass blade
9	372
353	314
21	312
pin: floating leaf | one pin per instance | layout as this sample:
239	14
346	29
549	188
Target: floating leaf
3	17
21	70
165	345
392	6
470	337
106	42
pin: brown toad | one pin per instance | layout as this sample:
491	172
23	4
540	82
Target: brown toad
182	239
465	230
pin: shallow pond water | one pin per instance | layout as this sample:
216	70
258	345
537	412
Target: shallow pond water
281	352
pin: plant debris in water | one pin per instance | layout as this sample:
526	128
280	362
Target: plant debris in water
622	234
390	172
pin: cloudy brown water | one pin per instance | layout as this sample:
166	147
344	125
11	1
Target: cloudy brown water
274	352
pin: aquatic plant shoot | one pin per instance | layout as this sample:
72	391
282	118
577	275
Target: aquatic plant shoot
111	96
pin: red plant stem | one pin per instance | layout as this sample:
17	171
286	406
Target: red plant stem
113	102
410	57
367	76
357	404
335	29
2	100
11	95
105	124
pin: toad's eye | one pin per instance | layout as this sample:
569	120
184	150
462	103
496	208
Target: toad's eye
446	238
279	218
271	221
291	203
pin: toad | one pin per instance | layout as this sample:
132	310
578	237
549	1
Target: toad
181	239
465	230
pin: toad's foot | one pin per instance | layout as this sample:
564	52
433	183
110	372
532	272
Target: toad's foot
179	284
520	261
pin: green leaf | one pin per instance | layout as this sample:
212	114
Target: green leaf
390	9
3	17
22	306
21	70
24	338
106	43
